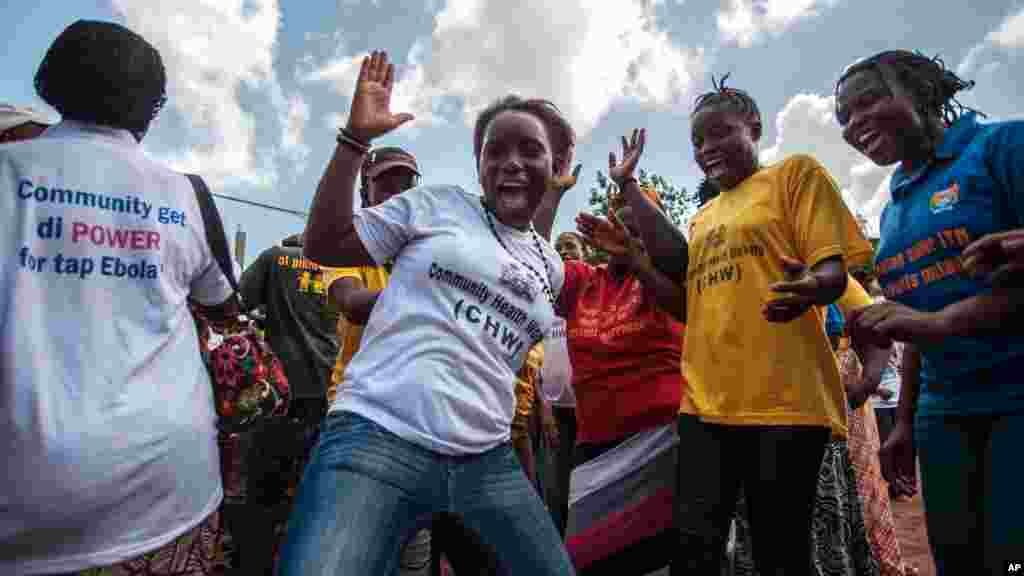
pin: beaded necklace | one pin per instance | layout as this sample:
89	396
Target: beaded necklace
545	282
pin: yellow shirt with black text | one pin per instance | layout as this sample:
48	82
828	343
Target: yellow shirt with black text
742	369
350	333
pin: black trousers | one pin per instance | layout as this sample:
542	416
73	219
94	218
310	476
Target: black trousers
777	466
272	453
566	418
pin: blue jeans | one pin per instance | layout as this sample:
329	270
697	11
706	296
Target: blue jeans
970	479
366	492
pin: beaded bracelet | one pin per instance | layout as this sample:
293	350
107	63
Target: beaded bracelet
345	137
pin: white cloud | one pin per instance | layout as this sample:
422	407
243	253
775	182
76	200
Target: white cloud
1010	33
747	22
583	56
213	50
807	125
996	64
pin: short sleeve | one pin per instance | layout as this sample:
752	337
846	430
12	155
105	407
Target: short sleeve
1005	154
386	228
211	287
854	298
333	274
823	225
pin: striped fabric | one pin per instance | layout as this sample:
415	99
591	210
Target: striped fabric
620	507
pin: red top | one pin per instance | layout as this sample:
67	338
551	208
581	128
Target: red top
626	355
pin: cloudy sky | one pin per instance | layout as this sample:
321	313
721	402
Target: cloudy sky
257	87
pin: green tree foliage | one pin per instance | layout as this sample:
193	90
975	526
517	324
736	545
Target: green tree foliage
680	204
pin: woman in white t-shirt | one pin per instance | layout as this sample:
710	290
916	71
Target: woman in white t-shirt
423	424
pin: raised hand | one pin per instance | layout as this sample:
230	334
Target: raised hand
562	183
606	235
370	115
619	172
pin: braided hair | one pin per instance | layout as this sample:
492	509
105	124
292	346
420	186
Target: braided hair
707	190
560	132
734	99
931	86
103	73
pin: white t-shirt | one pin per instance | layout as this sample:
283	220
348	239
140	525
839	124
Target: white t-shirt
441	349
891	379
106	411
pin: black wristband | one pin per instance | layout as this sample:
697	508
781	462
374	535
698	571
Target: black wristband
345	137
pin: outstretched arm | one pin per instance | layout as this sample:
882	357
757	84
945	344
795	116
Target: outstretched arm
664	242
330	237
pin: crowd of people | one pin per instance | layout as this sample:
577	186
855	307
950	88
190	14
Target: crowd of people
467	397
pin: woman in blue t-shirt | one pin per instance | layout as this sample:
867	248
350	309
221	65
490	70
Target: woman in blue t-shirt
962	404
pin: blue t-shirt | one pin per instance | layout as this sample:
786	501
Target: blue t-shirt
973	187
835	324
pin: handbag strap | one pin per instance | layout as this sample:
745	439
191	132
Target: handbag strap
214	229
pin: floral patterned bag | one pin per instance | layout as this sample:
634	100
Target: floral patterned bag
248	379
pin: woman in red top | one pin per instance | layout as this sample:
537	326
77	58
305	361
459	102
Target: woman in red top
625	347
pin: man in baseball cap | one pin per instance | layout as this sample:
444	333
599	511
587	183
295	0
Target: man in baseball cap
20	123
387	172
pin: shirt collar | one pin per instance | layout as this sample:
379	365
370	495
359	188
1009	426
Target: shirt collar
72	128
955	139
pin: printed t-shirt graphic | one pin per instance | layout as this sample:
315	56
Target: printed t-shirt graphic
742	369
349	334
299	328
442	346
974	187
106	410
619	341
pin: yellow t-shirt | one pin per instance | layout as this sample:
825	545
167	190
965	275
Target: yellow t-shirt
349	333
742	369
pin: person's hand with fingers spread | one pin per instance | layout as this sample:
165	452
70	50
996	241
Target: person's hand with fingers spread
801	291
611	236
888	321
998	256
603	234
370	115
562	183
620	172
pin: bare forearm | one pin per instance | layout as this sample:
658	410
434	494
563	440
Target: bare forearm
330	219
664	242
544	217
831	280
359	304
999	310
910	387
670	295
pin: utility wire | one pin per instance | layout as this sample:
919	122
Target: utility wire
261	205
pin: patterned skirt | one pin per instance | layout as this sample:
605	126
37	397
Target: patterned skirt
198	552
872	489
838	537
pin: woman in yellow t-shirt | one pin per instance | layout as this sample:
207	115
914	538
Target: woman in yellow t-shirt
764	393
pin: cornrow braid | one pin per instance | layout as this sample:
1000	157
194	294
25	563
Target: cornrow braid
931	85
706	191
736	100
